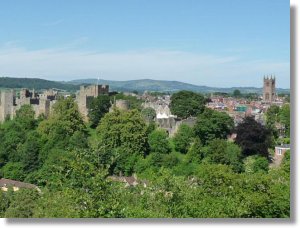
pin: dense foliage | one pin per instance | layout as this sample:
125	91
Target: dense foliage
185	104
98	106
213	124
196	173
255	140
183	138
149	114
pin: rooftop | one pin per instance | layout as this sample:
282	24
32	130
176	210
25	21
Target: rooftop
12	183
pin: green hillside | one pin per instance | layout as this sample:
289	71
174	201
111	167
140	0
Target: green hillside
130	85
35	83
167	86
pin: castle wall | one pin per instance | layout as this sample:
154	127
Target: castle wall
122	104
43	108
6	105
41	104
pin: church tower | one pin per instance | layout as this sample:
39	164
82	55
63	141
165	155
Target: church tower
269	89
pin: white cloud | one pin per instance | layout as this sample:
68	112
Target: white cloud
201	69
52	23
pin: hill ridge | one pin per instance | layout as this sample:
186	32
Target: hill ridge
122	86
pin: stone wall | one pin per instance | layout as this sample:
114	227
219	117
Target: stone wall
41	103
6	105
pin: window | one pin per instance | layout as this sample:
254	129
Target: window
279	151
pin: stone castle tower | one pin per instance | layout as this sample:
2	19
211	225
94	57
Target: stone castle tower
86	93
269	89
6	105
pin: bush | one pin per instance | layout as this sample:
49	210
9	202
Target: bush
158	142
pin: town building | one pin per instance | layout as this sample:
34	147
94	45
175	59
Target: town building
279	153
164	118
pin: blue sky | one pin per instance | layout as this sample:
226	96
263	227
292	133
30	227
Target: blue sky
215	43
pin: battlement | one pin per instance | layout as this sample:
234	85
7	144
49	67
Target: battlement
271	78
93	90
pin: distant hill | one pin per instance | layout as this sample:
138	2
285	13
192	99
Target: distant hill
130	85
35	83
166	86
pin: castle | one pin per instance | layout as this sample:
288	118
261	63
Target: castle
269	94
10	102
42	103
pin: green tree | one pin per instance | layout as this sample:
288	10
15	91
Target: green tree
25	116
12	135
233	157
255	163
158	142
261	164
253	138
22	204
29	152
272	114
13	170
284	116
272	117
237	93
88	186
64	121
285	164
220	151
57	204
125	129
187	103
5	201
213	124
183	138
195	152
98	107
149	114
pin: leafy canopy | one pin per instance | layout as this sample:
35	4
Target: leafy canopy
253	138
98	107
123	128
158	142
212	124
183	138
185	104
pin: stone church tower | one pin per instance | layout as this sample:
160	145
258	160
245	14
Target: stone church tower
269	89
